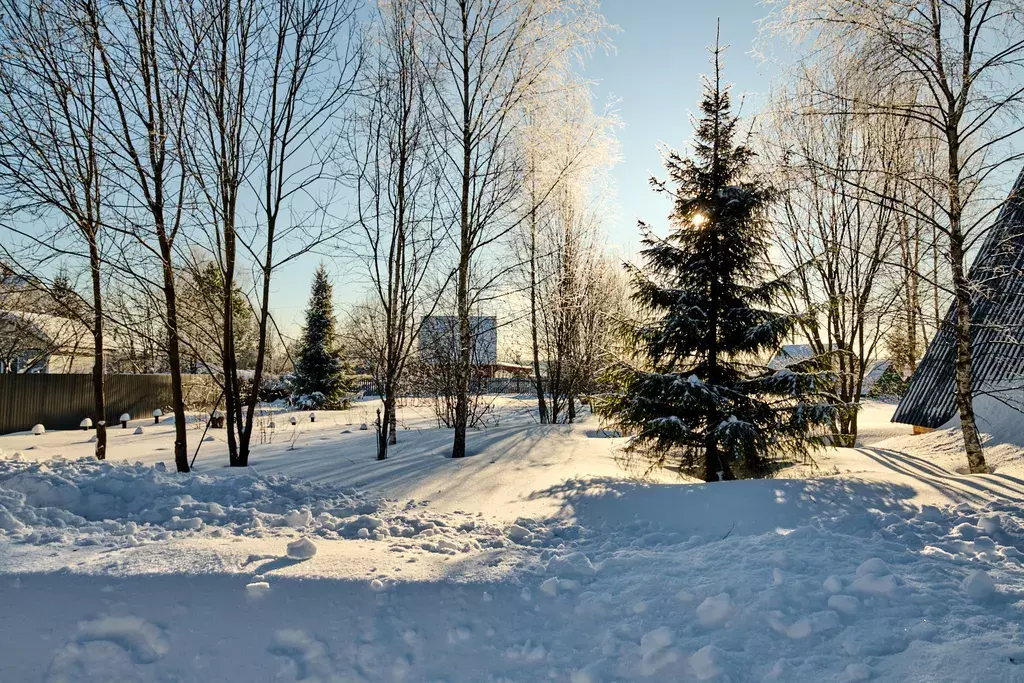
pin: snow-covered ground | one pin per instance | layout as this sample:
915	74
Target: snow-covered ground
536	558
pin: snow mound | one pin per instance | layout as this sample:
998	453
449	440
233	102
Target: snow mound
999	421
89	502
302	549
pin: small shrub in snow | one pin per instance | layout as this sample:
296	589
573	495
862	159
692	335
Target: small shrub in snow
39	430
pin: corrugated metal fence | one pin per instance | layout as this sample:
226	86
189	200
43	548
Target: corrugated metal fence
61	401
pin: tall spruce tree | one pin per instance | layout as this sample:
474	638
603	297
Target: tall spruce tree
694	388
320	375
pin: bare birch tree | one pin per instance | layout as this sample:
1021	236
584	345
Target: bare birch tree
270	79
147	85
835	228
490	57
963	63
51	171
308	76
396	177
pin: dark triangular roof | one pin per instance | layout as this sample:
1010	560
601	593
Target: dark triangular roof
998	319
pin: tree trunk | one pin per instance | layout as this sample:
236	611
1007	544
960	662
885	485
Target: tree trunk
542	406
383	427
464	361
964	362
232	399
393	422
963	370
174	359
99	396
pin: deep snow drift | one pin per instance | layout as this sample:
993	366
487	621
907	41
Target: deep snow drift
883	566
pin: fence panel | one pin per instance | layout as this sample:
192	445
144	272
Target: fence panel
61	401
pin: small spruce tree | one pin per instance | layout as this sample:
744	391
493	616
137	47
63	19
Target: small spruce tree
320	379
694	387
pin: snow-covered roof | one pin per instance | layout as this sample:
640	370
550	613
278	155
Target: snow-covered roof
789	354
53	330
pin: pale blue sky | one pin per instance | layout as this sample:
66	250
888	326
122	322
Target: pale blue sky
661	52
654	72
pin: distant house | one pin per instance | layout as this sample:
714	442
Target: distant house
880	377
43	343
439	344
439	338
997	319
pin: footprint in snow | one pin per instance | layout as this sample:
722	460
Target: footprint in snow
110	648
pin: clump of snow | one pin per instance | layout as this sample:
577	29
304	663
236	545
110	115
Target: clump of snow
572	566
549	587
298	518
39	430
655	640
979	586
990	524
847	604
715	610
139	430
519	534
707	662
873	567
257	589
301	549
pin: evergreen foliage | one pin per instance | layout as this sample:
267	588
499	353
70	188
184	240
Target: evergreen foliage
695	387
321	377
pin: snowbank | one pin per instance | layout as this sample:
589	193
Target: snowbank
1000	417
86	502
90	503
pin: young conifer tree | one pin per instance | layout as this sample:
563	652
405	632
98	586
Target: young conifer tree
320	379
695	388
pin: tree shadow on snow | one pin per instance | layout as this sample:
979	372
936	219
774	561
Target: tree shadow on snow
973	488
419	457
